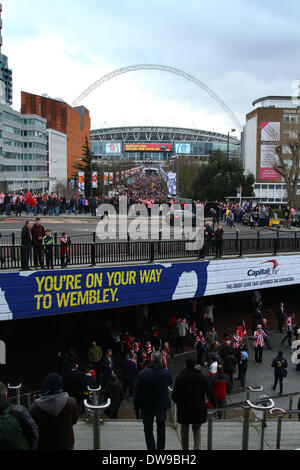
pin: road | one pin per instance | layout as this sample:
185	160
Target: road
81	228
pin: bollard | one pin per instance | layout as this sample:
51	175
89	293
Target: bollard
290	407
278	436
209	431
96	409
262	436
245	440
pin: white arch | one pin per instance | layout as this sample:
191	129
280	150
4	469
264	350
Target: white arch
164	68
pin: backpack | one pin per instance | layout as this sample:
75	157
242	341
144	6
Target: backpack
11	434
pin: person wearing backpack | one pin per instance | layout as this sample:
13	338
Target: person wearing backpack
280	366
18	431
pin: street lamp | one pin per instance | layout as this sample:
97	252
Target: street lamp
227	162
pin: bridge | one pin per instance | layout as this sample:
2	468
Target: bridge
119	274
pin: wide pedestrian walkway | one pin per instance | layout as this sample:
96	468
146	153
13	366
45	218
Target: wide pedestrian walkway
227	434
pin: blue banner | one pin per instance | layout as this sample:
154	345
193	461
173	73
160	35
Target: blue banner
33	294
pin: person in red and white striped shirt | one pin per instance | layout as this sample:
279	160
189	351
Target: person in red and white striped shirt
258	343
289	328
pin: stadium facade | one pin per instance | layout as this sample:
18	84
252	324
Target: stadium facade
157	144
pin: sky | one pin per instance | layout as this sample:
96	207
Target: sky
240	49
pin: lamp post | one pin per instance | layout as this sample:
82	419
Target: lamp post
227	163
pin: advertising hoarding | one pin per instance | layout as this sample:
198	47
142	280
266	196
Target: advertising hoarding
148	147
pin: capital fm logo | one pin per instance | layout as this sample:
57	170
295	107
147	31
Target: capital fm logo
269	270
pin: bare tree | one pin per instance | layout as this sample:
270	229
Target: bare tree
284	157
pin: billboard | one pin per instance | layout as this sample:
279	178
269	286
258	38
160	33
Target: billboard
113	147
183	148
270	131
268	158
148	147
28	294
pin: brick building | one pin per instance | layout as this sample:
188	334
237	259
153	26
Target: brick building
74	122
270	123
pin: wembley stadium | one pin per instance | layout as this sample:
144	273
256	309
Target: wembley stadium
150	143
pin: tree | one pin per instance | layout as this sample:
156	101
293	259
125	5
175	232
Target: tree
88	166
217	174
287	162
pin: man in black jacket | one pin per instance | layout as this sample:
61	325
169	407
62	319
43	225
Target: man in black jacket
190	390
26	242
151	397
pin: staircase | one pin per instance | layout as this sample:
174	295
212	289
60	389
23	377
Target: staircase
227	435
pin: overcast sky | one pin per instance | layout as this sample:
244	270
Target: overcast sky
241	49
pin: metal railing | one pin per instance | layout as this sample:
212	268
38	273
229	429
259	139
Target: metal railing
148	251
265	404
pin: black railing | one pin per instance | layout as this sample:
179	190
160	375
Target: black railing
149	251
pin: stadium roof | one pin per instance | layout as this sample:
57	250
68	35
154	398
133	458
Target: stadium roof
159	134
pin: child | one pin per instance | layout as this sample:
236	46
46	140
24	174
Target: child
65	243
48	243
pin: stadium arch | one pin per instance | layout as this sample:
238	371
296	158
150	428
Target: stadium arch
164	68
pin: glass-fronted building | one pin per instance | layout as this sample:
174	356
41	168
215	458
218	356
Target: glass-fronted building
23	151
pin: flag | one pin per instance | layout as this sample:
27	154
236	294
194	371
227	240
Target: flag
95	179
81	181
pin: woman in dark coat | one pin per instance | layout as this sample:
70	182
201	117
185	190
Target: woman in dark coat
115	392
190	390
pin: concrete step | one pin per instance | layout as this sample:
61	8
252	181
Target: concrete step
227	435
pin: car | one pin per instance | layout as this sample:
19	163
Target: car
246	219
180	217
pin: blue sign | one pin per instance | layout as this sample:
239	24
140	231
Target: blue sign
33	294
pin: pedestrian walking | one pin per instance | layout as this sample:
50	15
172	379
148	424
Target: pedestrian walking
280	365
115	392
182	329
190	391
258	343
152	398
73	384
95	356
281	313
289	329
243	358
55	413
221	385
107	367
129	372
